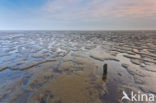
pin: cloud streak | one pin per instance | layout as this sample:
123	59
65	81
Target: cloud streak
101	8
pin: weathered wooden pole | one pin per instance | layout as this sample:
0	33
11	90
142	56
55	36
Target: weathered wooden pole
104	72
104	69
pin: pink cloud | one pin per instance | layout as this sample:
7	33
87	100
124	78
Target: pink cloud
133	8
101	8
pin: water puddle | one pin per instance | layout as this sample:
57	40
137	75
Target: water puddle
8	74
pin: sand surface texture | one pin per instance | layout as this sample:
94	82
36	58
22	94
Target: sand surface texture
67	66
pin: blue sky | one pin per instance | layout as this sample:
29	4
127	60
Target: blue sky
77	14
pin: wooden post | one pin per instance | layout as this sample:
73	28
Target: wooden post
104	69
104	72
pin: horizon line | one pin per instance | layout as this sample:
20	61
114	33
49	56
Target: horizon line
79	30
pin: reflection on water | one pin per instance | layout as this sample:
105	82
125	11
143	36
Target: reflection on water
75	66
104	77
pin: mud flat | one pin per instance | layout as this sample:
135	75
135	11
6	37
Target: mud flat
67	66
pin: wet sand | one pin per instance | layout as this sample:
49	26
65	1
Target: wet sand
67	66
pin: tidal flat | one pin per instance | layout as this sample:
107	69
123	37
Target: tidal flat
67	66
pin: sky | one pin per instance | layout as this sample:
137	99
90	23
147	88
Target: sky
77	14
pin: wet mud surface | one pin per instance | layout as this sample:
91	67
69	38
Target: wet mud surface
67	66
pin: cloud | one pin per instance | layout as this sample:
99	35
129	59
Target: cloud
133	8
60	5
95	9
